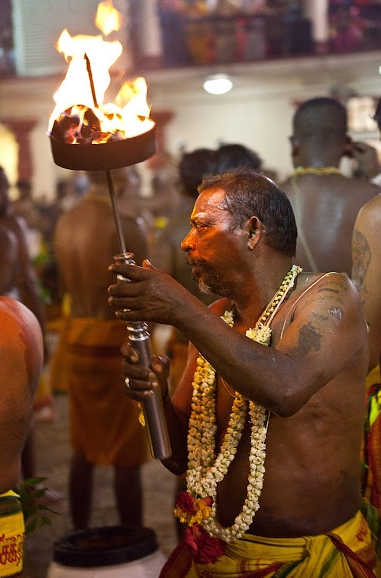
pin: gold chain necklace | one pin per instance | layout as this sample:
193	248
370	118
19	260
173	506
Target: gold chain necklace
269	312
317	171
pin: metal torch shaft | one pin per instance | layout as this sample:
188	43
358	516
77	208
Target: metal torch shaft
152	405
119	228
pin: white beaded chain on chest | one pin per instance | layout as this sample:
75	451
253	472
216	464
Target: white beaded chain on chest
205	469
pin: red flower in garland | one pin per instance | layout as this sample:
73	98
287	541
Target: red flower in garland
204	549
186	503
192	510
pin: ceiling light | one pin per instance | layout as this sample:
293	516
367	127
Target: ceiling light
218	84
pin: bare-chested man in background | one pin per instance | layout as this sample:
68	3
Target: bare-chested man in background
325	202
18	279
104	424
21	358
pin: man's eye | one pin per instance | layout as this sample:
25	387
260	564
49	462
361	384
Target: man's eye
200	225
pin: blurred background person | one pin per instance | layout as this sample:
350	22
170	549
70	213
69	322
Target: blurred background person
21	359
26	207
366	275
104	425
19	280
325	201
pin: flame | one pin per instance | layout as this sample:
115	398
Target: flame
87	80
107	18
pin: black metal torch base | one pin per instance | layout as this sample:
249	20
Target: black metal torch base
105	156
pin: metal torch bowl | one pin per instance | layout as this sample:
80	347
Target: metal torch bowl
105	156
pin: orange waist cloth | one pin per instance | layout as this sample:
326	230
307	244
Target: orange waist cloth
104	423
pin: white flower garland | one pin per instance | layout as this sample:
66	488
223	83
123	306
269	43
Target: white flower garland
205	469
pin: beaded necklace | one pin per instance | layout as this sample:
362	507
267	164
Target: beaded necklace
317	171
197	507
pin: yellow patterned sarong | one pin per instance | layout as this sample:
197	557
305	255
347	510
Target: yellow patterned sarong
346	552
371	447
12	534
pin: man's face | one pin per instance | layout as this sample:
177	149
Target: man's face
212	246
4	197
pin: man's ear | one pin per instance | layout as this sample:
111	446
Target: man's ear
348	147
253	227
295	148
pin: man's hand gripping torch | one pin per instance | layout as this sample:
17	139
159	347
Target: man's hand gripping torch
152	404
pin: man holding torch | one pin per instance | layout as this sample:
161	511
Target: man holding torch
267	419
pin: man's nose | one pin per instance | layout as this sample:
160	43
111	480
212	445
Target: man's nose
187	244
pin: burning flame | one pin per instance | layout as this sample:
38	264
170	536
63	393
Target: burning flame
87	80
107	18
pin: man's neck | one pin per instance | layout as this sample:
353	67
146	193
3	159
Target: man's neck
263	286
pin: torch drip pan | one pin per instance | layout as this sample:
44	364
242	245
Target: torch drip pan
105	156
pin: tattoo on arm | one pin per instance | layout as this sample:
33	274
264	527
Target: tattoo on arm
309	338
361	257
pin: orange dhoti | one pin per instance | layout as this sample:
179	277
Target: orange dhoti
104	423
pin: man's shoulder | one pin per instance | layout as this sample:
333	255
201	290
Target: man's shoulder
368	220
19	325
363	185
16	312
312	285
77	212
22	343
372	208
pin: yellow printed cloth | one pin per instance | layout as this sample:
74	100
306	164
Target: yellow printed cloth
346	552
104	422
12	534
371	447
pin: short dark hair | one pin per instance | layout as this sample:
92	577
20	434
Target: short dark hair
248	194
193	167
232	156
320	115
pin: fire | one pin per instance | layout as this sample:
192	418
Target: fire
80	115
107	18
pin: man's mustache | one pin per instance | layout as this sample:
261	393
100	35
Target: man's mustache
194	262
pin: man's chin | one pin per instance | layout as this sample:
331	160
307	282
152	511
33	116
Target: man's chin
204	288
202	285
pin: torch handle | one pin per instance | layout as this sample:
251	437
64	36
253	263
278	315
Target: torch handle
152	405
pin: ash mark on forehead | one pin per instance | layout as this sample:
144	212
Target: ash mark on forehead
337	312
